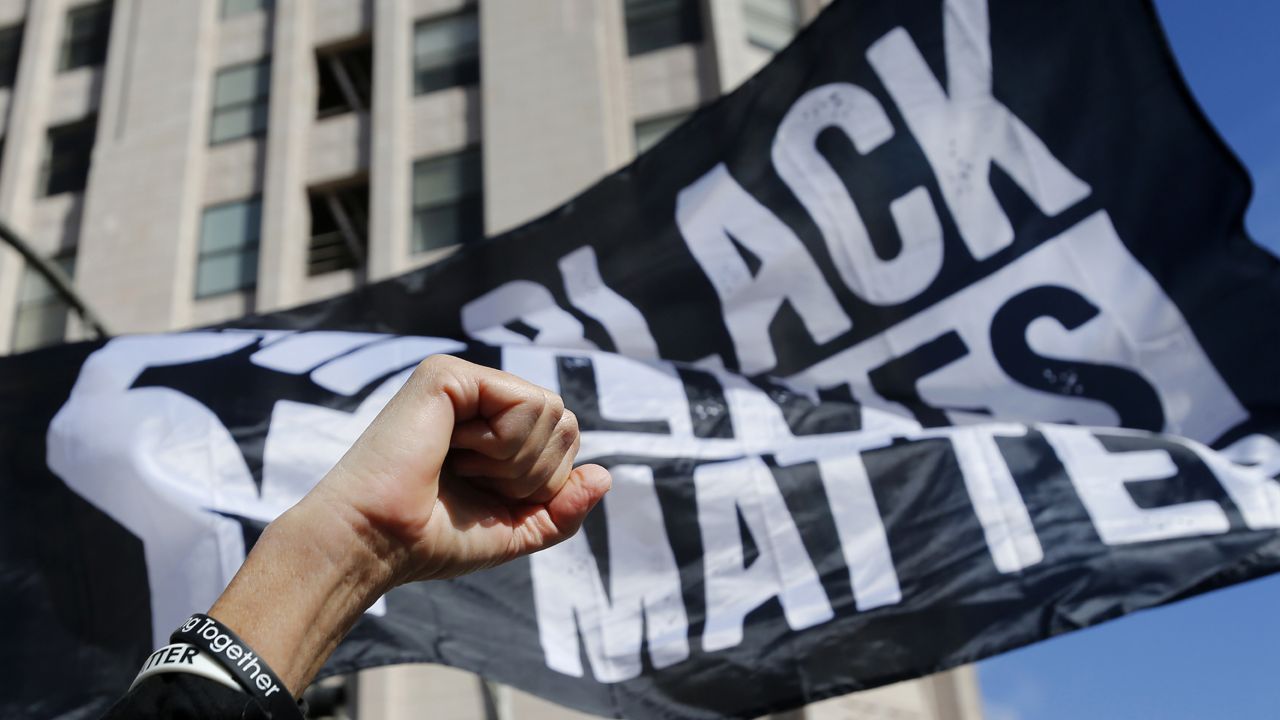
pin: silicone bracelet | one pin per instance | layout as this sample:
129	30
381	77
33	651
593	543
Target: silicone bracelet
226	648
184	658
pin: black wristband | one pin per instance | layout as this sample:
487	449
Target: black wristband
228	650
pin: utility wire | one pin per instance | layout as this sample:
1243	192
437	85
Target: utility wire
56	278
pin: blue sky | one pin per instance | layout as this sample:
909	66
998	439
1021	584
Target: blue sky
1218	655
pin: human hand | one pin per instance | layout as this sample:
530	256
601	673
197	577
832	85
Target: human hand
466	467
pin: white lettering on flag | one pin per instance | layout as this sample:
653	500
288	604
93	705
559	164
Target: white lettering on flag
861	530
644	589
964	129
713	213
859	115
1010	535
1100	476
783	568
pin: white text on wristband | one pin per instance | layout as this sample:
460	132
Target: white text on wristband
240	656
184	658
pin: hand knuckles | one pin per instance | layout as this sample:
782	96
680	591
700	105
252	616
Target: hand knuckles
570	422
536	404
427	368
526	464
436	363
438	370
545	469
563	440
508	447
554	406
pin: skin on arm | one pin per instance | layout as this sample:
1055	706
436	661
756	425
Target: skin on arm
466	467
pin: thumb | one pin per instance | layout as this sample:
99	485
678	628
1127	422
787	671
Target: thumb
585	487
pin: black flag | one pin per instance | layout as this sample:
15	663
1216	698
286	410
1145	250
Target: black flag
938	337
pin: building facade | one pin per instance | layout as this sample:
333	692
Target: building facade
190	161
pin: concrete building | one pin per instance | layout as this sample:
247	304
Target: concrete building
188	161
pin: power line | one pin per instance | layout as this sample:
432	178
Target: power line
56	278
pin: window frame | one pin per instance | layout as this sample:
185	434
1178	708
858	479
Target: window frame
248	245
9	75
470	65
48	160
263	99
352	237
347	87
676	119
754	39
688	19
260	5
49	302
477	194
71	34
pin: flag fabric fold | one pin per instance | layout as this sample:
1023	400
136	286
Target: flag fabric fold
939	336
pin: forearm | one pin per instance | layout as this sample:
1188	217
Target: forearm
313	572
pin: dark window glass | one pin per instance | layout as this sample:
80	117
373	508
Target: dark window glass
84	41
240	102
448	200
67	152
346	79
229	247
339	228
237	7
10	49
40	318
656	24
446	53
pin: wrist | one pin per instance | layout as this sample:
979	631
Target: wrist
309	578
351	538
368	561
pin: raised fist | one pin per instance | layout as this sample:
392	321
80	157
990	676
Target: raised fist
465	468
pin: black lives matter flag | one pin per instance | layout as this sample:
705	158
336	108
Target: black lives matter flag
938	337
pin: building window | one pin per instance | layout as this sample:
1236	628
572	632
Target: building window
771	23
339	228
41	315
656	24
346	79
239	7
446	53
229	247
67	152
649	132
448	200
240	102
10	49
84	42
